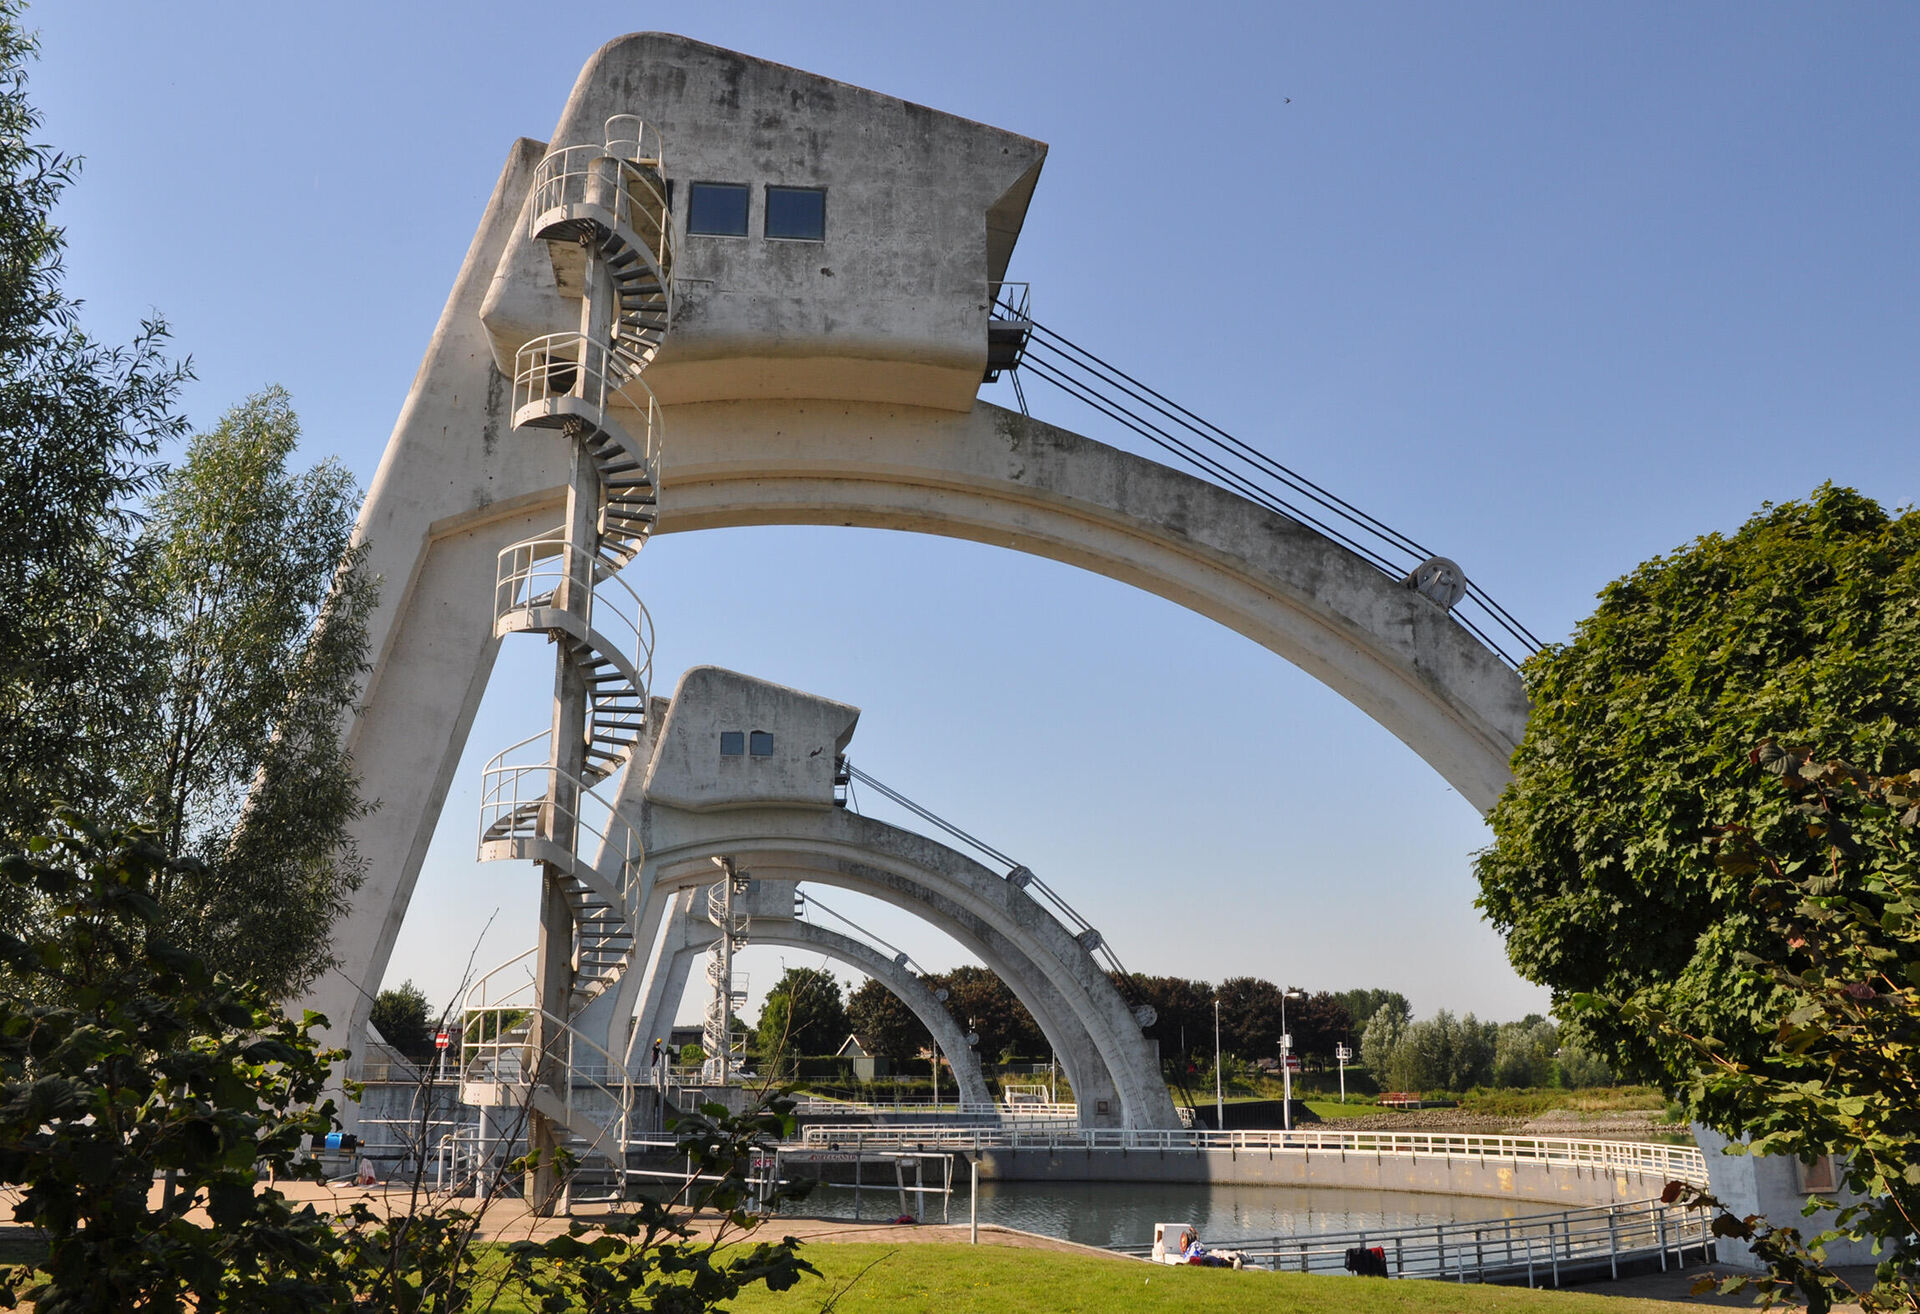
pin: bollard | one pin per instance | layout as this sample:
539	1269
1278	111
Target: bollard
973	1202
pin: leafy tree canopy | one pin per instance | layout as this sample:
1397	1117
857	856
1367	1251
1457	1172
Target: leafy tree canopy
142	1061
193	674
260	607
979	1000
804	1013
1836	956
876	1013
80	426
402	1017
1804	624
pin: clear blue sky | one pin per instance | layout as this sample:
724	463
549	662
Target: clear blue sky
1554	288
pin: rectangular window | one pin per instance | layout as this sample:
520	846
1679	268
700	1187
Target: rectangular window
797	214
1818	1176
762	744
718	209
733	743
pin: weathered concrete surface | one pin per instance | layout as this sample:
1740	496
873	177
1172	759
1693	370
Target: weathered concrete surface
453	488
997	477
681	845
1774	1186
1113	1068
687	770
821	383
922	210
1566	1185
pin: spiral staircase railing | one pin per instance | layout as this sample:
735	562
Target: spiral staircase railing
602	212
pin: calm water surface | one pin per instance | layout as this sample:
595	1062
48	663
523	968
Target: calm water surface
1123	1214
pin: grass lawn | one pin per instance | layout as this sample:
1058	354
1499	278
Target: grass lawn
1334	1109
957	1279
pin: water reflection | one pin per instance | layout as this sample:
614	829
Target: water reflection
1123	1214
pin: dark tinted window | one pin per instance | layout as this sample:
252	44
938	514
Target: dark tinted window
797	212
732	743
762	744
717	208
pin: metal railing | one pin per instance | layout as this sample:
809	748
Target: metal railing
496	1048
1021	877
1539	1247
534	572
1025	1110
635	140
1010	301
557	366
631	194
1668	1162
514	797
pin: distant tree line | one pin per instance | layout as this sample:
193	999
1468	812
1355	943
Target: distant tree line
809	1014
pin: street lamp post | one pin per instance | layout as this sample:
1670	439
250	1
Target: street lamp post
1341	1054
1219	1099
1286	1059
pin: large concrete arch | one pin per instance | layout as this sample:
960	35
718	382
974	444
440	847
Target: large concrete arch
822	386
691	935
1098	1093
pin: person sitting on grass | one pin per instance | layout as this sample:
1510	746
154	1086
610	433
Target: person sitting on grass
1194	1252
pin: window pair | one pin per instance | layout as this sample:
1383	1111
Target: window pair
733	743
797	214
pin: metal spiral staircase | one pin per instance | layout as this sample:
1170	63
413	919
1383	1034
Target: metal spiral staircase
602	213
725	1054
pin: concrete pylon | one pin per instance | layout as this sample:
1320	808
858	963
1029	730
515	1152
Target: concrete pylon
689	934
818	375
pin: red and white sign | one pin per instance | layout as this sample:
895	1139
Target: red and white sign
439	1040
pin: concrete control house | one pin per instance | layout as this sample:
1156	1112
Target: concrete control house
726	292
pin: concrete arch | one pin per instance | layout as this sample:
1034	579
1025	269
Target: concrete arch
761	430
1078	1052
1050	970
994	476
691	936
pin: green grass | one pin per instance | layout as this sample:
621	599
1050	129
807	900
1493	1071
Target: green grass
1333	1110
956	1279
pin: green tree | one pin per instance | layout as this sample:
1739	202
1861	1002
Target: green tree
141	1061
1803	624
128	1058
876	1013
1523	1052
1382	1036
80	425
981	1002
1183	1018
1319	1022
1442	1053
1836	958
402	1018
1361	1005
261	609
803	1014
1249	1017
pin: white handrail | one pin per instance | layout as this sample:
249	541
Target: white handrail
532	572
509	792
1538	1245
1685	1163
629	136
594	176
555	366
